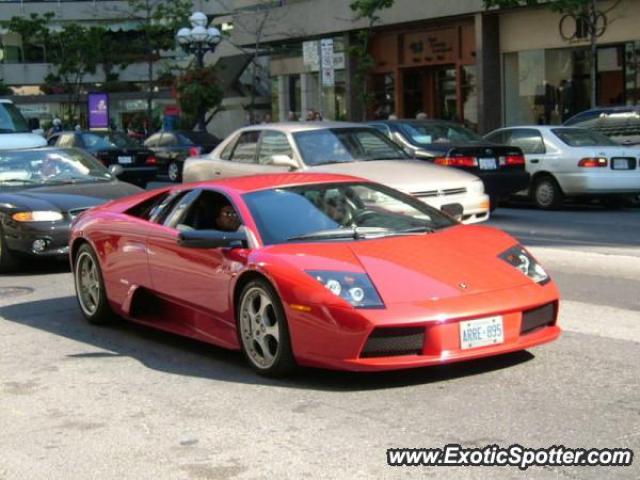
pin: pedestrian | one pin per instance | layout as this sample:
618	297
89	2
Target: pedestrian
317	117
292	117
266	118
311	115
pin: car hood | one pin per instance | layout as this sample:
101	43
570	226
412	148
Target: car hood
406	175
455	262
66	197
21	140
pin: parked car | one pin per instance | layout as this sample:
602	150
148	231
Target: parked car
500	167
172	149
41	191
620	124
113	148
14	129
312	269
342	148
573	162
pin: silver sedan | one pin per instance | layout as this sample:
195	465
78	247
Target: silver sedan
341	148
573	162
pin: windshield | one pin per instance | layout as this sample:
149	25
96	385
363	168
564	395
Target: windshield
51	165
108	140
425	133
11	120
580	137
339	211
338	145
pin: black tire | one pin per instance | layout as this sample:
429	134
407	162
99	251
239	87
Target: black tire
8	260
174	171
547	194
100	312
283	362
493	203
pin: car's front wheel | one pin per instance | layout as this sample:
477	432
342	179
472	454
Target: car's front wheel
547	193
90	290
174	172
263	330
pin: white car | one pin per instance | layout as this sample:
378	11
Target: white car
14	129
573	162
341	148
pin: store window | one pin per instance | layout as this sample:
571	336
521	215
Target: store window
384	92
546	86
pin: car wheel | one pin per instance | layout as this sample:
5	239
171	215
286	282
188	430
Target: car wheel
8	260
547	193
90	290
175	172
263	330
493	203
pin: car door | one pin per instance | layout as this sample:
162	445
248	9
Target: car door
198	279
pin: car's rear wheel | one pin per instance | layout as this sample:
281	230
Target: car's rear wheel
263	330
547	193
8	260
174	172
90	290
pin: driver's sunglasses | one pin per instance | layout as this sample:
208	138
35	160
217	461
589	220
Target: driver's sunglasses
229	214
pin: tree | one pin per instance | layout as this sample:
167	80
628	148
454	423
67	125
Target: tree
158	22
589	20
368	10
197	91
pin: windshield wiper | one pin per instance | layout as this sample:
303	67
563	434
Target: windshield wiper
355	233
420	229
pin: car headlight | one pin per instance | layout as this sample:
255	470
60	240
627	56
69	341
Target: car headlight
37	216
521	259
355	288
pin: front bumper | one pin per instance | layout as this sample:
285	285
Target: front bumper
475	206
336	337
19	238
600	183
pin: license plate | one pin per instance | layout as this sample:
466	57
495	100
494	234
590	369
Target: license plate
620	164
125	160
487	163
481	332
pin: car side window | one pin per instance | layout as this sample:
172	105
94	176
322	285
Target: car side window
528	139
179	207
53	140
273	143
501	138
66	140
246	148
209	210
226	153
160	212
145	209
382	128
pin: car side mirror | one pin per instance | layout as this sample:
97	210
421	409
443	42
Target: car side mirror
116	170
284	161
212	239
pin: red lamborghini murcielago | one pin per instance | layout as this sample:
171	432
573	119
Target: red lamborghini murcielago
311	269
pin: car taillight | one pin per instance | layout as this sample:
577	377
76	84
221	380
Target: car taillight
593	162
515	160
457	161
195	151
151	160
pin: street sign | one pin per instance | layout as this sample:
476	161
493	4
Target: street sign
326	56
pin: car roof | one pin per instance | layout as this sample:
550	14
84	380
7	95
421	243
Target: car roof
414	121
291	127
539	127
5	100
254	183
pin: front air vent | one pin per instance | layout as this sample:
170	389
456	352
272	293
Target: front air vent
440	193
387	342
538	318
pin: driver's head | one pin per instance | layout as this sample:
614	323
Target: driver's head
49	168
336	208
227	219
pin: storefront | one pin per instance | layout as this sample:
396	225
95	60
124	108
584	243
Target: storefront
428	69
547	66
296	85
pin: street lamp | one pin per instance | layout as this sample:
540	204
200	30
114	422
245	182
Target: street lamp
198	40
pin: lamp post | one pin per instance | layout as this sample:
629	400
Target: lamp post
198	40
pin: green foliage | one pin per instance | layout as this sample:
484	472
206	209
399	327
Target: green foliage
563	6
365	9
198	91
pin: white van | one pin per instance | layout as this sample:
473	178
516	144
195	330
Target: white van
14	129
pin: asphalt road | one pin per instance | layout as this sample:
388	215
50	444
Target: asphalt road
124	402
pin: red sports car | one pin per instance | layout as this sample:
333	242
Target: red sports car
311	269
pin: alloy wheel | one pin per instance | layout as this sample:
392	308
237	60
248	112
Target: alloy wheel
259	328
